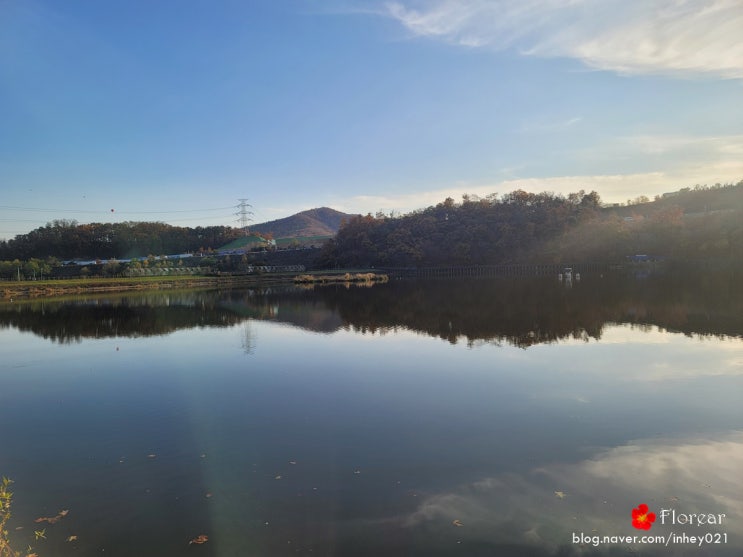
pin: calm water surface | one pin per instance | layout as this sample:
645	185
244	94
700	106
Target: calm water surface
490	417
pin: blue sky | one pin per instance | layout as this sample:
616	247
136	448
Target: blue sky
173	110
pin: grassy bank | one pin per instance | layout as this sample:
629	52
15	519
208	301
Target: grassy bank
48	288
10	290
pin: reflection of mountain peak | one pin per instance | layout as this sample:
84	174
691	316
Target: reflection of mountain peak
312	318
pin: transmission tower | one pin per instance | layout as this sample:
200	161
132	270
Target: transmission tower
243	214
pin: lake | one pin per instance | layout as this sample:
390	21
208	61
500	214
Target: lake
485	417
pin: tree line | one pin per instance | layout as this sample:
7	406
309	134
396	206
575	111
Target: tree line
490	230
66	239
521	227
703	223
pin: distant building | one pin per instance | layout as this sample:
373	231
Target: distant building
246	243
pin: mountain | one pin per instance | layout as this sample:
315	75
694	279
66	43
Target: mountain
314	222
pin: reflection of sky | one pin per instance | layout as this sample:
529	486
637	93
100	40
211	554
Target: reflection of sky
484	435
545	505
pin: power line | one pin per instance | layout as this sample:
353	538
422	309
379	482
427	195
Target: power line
42	210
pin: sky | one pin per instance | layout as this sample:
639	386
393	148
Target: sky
174	110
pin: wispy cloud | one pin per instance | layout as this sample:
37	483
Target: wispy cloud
548	127
676	162
681	37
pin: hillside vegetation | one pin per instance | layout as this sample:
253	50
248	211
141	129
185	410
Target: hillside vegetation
65	239
521	227
700	224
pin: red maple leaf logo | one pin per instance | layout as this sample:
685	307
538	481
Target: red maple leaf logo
641	518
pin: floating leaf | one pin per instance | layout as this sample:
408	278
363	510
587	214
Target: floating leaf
202	538
53	519
457	522
72	539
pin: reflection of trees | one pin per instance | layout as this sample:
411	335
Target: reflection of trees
525	312
522	312
116	316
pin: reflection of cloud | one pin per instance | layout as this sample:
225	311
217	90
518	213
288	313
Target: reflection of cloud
631	37
682	358
692	476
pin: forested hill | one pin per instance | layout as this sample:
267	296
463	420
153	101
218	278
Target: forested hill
521	227
314	222
703	223
63	239
477	231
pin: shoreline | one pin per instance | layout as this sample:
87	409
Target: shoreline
24	290
31	290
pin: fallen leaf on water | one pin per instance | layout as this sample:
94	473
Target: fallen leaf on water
277	478
208	495
457	522
203	538
40	533
53	519
72	539
560	494
152	456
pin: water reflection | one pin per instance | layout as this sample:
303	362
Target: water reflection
543	507
351	429
520	312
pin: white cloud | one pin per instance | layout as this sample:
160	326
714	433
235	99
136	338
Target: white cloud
681	161
626	36
613	188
